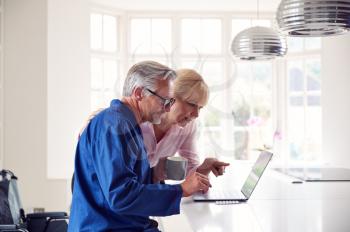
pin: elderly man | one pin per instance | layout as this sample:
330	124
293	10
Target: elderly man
113	188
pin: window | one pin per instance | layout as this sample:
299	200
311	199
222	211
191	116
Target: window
252	108
104	59
242	116
304	100
201	36
150	36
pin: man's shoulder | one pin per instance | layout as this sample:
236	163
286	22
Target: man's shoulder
116	115
118	111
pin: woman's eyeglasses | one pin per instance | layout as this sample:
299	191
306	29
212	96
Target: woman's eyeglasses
167	102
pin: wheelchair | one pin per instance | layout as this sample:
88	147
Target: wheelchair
13	217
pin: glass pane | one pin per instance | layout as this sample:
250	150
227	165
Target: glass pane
210	118
212	73
242	91
211	36
242	81
295	44
313	137
191	64
261	22
108	97
296	132
295	76
96	74
255	139
312	43
110	74
190	36
118	88
296	101
264	134
313	74
201	36
109	33
208	139
262	77
140	36
240	110
161	36
96	31
239	25
262	105
97	100
241	144
314	101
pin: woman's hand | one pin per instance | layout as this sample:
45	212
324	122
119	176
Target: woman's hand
212	165
91	116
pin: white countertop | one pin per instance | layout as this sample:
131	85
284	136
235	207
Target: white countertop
276	205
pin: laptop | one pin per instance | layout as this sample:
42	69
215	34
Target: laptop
224	193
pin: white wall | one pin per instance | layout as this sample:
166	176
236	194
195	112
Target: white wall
335	100
1	83
68	81
45	61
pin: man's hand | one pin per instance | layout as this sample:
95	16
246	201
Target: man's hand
212	165
193	183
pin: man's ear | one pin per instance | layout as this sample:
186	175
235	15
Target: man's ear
138	93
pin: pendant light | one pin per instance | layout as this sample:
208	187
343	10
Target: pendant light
258	43
313	17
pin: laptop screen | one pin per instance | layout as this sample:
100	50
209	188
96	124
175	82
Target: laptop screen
256	173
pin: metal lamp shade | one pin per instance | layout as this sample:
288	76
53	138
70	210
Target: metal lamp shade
313	17
258	43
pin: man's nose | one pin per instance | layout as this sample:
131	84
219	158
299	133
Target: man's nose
167	109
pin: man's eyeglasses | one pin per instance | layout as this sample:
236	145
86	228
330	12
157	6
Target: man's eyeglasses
167	102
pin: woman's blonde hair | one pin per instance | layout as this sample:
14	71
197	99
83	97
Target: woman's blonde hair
190	86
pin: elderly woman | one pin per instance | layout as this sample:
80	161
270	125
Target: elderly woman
176	132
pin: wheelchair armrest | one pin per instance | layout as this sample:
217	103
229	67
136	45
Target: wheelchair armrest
47	215
11	228
8	227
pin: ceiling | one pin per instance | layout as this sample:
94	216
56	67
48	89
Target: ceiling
192	5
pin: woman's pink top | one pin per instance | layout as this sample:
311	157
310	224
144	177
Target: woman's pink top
177	139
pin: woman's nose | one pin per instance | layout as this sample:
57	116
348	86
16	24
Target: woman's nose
195	112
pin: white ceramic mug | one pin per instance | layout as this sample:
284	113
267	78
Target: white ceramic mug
176	167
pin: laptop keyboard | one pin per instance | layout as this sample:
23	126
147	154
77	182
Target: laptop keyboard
221	193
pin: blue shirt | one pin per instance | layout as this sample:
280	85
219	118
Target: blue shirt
112	182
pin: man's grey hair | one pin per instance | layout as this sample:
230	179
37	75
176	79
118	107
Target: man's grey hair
146	74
